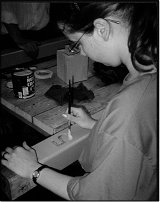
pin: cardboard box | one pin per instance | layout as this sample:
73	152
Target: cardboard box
71	65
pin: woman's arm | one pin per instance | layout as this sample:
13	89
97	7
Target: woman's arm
54	181
23	161
30	47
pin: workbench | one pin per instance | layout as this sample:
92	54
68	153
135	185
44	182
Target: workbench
45	115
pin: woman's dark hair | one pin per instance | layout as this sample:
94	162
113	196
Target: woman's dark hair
142	18
143	38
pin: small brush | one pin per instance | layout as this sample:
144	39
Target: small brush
69	111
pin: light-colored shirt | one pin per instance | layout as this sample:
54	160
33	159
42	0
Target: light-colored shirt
120	156
27	15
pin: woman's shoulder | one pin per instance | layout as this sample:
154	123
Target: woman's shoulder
130	94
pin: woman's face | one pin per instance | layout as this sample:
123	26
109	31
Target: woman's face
105	52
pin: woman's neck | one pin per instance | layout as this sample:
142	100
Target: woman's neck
133	73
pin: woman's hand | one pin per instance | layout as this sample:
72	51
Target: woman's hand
21	160
81	117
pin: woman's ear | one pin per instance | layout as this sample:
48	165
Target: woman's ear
102	28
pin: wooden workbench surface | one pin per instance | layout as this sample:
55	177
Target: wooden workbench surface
44	113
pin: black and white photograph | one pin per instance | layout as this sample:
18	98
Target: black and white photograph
79	101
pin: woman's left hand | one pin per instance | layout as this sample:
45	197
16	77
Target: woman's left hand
21	160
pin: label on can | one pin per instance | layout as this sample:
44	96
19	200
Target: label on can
23	84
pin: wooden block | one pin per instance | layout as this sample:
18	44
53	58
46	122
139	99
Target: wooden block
13	185
71	65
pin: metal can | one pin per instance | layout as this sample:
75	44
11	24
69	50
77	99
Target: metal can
23	84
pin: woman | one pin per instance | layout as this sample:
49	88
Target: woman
120	155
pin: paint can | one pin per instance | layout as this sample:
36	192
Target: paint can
23	84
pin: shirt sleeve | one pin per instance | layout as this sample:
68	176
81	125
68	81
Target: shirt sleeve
116	178
28	16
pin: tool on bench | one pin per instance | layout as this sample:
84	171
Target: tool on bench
70	102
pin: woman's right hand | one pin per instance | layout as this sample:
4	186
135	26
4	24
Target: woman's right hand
81	117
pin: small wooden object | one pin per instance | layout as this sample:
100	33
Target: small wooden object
13	185
71	65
